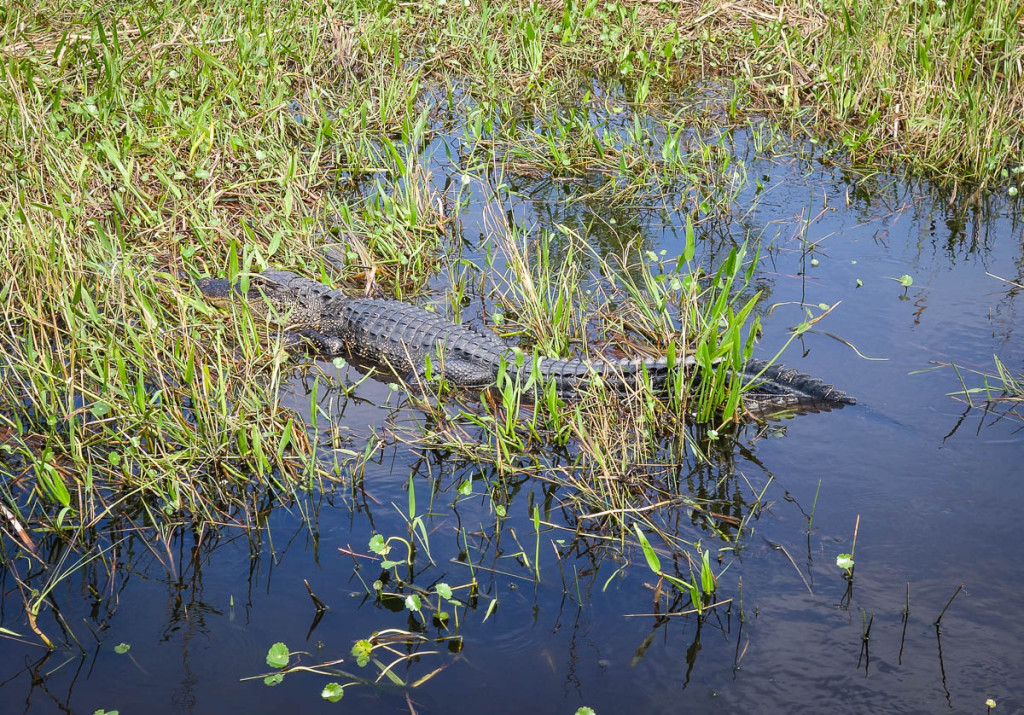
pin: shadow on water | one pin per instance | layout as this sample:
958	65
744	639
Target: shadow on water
545	604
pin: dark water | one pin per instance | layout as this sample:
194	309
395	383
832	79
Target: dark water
936	487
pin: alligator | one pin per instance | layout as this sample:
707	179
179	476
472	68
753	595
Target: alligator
402	337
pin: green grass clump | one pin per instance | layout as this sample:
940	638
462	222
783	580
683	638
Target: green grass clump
934	87
605	442
1001	392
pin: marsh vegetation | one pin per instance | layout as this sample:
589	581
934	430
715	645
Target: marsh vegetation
582	178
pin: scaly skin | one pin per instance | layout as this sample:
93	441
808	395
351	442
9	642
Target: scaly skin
402	336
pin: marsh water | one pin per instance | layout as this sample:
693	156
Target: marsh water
932	486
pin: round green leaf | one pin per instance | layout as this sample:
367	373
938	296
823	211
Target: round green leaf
362	650
332	692
277	656
378	545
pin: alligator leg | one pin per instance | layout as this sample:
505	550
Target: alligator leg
468	374
461	373
321	344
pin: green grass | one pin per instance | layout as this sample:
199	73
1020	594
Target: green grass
931	87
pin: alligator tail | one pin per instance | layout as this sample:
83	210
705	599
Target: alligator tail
776	386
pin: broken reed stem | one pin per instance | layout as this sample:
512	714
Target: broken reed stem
948	603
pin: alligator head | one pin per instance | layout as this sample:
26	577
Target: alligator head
277	297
